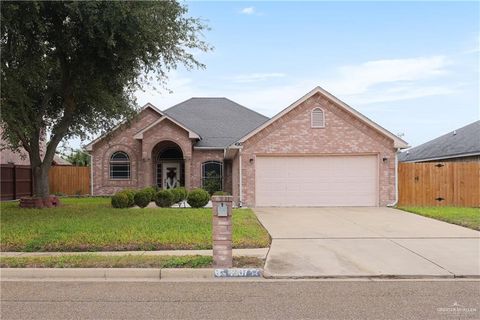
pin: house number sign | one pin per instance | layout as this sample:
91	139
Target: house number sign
222	209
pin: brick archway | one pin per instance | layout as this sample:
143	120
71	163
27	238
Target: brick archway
168	161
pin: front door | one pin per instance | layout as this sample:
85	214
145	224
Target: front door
171	175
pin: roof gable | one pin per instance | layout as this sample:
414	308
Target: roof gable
398	143
464	141
150	106
191	134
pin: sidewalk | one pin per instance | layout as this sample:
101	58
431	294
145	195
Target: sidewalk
260	253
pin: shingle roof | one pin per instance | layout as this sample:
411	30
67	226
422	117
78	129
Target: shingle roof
219	121
463	141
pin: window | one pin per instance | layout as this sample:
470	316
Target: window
318	118
212	176
119	166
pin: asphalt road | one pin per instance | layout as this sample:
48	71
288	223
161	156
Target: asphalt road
241	300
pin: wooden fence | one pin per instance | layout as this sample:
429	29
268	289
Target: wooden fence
439	184
69	180
16	181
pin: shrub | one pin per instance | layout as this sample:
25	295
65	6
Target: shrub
120	200
131	196
151	191
164	198
221	193
212	182
142	198
179	194
198	198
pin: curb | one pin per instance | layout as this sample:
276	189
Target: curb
151	274
377	276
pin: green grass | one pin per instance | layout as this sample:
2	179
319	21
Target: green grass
91	224
121	261
467	217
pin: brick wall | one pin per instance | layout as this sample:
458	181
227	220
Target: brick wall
120	140
199	157
343	134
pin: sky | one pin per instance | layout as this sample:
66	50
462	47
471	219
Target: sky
411	67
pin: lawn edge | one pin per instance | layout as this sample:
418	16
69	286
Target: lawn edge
438	219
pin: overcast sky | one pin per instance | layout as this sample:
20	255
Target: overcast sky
411	67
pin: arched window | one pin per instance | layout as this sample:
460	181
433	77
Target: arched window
212	176
119	166
318	118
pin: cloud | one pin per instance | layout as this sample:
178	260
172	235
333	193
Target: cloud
248	10
390	80
370	82
357	79
256	77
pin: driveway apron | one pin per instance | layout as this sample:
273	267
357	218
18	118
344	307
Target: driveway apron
366	242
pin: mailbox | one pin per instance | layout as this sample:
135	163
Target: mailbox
222	209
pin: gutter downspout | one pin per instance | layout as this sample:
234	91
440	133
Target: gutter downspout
240	192
91	175
396	180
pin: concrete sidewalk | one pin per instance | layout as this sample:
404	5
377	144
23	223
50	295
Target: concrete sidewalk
260	253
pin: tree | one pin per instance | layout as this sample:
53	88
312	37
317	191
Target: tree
78	158
69	69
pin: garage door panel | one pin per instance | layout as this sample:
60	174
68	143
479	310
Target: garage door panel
316	181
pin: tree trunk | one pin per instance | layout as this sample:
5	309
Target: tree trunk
40	181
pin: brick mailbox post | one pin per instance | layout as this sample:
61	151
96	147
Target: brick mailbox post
222	231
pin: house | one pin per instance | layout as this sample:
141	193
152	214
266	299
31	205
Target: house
59	161
316	152
459	145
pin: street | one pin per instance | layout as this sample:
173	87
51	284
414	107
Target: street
312	299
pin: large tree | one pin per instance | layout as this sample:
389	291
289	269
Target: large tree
70	68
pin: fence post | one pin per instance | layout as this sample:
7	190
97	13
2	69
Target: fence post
14	178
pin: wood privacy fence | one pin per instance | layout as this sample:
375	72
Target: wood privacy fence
439	184
69	180
16	181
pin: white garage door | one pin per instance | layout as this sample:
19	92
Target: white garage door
316	181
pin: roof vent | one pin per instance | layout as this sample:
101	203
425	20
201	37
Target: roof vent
454	132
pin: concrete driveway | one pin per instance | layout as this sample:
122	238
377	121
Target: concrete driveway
365	242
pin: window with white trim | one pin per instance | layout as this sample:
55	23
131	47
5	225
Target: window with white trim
318	118
119	166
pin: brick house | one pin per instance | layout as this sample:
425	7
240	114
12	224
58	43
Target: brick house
316	152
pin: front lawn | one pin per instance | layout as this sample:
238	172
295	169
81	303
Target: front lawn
91	224
467	217
122	261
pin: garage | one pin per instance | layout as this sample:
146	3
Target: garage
315	181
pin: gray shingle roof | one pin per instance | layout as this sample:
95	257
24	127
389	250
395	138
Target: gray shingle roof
463	141
219	121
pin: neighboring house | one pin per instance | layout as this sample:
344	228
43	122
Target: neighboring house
20	156
8	156
59	161
459	145
316	152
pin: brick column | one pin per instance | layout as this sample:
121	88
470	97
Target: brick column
222	231
188	167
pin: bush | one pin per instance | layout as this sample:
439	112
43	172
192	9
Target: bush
179	194
198	198
131	196
142	198
120	200
151	191
221	193
164	198
212	182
